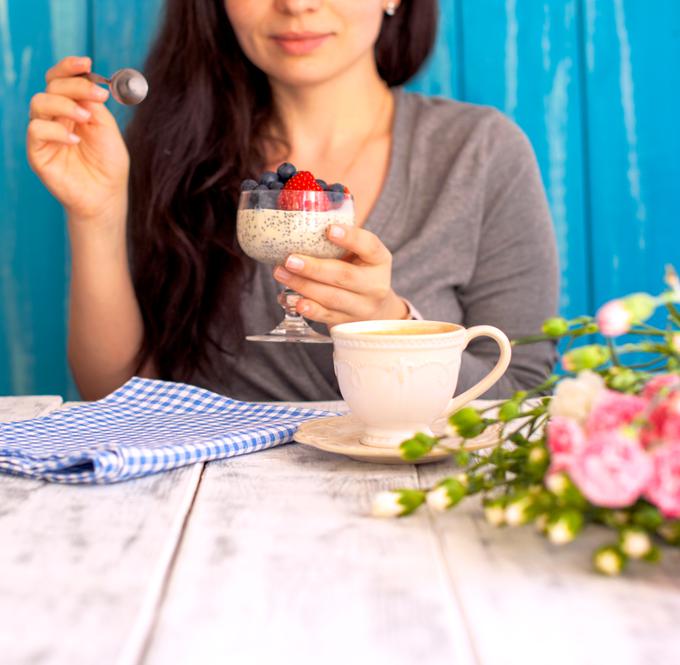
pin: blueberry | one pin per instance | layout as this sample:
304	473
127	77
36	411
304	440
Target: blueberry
286	171
262	188
268	177
337	187
336	198
248	185
277	184
322	183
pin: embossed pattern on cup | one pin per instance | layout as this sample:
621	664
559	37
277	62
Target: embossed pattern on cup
398	377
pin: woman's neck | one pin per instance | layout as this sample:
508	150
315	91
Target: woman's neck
333	116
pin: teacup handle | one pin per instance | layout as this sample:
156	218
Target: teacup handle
499	369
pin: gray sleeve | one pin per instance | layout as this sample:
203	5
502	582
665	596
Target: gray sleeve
514	285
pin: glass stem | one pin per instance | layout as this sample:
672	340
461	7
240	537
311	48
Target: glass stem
289	300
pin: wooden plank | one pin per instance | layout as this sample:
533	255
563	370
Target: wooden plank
280	563
443	72
121	38
33	263
523	58
633	92
530	603
83	566
22	408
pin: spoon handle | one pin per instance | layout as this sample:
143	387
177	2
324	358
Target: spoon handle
95	78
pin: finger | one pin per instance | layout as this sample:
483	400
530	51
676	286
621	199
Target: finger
331	298
316	312
47	106
46	131
366	245
69	66
79	89
342	274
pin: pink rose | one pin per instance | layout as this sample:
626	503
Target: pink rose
664	421
654	386
614	319
664	487
612	470
565	441
613	410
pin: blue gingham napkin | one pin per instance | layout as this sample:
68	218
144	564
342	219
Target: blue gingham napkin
144	427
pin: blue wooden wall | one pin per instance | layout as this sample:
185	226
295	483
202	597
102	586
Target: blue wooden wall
594	83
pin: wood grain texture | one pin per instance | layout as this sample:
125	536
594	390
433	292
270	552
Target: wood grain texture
280	563
33	257
83	566
531	603
524	58
633	91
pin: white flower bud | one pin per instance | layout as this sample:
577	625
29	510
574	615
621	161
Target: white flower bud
574	398
636	543
608	561
517	512
387	504
559	533
438	499
495	515
557	483
538	455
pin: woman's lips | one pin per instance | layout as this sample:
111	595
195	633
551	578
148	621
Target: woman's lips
300	43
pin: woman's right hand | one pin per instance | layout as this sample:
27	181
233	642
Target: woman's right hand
75	146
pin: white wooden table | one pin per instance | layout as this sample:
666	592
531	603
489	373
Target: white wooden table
272	558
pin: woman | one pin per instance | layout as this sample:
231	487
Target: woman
451	212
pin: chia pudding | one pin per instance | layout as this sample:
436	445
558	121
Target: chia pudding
270	236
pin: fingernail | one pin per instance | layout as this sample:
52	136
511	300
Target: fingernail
304	308
82	113
82	62
282	274
336	232
295	263
74	138
100	93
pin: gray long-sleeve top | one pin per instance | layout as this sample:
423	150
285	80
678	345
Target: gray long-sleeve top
464	213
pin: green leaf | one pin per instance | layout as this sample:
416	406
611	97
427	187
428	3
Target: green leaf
417	446
586	357
462	458
454	488
653	556
509	410
555	327
411	499
648	517
640	305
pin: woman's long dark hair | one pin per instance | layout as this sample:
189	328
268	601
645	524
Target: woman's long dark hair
203	128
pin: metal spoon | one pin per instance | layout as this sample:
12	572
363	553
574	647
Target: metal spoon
127	86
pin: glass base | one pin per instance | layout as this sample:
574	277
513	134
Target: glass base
292	331
316	338
293	328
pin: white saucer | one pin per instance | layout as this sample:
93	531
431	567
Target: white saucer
340	434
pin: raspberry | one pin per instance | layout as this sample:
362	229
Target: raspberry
292	195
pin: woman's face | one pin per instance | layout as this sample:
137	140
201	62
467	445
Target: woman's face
305	42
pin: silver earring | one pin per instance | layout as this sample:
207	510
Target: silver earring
391	8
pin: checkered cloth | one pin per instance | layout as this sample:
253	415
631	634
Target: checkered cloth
144	427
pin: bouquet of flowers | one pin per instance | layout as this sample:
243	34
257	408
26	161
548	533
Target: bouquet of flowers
604	449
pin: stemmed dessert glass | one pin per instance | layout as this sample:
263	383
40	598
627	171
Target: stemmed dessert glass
273	224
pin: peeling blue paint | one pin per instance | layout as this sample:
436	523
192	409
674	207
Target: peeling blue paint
599	100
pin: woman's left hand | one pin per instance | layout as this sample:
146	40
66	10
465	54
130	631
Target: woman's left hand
356	288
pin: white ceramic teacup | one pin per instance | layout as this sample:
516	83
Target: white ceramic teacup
398	377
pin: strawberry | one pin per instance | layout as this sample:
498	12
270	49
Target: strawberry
292	196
